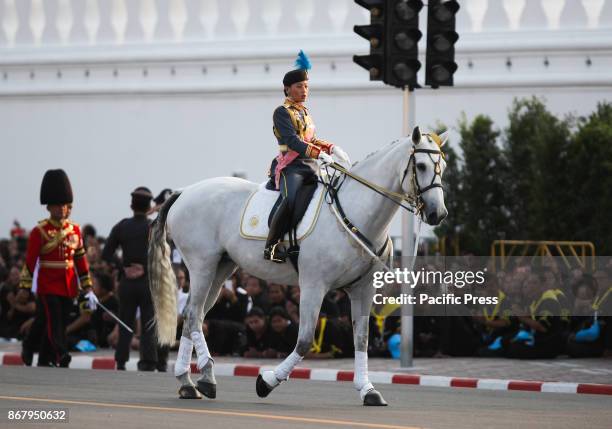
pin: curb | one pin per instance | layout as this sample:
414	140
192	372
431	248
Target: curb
378	377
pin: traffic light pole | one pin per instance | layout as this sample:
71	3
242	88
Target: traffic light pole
408	246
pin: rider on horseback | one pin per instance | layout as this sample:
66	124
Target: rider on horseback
295	166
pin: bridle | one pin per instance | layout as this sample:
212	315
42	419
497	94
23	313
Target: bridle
415	202
437	168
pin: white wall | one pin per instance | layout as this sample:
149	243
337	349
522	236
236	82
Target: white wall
163	121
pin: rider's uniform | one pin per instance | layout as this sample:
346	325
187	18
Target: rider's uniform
299	148
295	166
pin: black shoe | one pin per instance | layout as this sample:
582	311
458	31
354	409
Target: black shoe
275	253
120	366
27	355
146	366
65	361
162	367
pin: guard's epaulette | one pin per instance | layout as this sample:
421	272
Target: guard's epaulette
43	222
71	222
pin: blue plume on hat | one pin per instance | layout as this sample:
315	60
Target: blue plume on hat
302	61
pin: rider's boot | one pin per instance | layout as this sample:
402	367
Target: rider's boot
274	250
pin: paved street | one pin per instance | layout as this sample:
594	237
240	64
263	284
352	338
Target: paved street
97	399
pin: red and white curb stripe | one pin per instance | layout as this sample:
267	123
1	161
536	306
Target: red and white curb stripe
376	377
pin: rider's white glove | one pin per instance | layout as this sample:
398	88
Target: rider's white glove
325	158
341	156
92	299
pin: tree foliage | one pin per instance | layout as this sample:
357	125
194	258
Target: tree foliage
542	178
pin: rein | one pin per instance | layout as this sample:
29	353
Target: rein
415	202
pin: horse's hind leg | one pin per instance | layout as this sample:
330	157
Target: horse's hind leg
207	384
192	336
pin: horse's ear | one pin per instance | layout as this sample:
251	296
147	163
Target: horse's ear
416	135
443	138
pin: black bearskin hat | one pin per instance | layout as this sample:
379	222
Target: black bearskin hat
55	188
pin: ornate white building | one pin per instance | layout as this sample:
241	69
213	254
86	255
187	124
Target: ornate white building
163	93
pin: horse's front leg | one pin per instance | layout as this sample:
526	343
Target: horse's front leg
311	297
361	304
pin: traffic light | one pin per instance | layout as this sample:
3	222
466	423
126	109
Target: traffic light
401	40
441	38
374	34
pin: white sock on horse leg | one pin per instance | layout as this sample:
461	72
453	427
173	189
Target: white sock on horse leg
201	348
283	370
183	358
361	380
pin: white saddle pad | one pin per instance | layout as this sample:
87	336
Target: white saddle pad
254	220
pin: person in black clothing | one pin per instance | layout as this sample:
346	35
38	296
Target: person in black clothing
17	306
258	335
585	338
256	289
277	294
102	323
131	235
283	333
231	304
224	337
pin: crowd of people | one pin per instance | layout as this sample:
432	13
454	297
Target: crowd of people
255	319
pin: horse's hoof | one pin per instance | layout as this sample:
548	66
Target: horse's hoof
374	399
189	392
262	388
207	389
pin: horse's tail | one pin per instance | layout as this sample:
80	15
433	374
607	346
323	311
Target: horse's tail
162	281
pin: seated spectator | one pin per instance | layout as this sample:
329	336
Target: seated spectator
79	323
232	302
343	302
258	335
329	307
224	337
277	295
18	309
495	321
585	338
256	290
426	336
541	333
293	304
102	323
283	333
329	340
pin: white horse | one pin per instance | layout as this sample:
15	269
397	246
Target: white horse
204	222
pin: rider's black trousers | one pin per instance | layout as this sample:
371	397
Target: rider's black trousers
293	178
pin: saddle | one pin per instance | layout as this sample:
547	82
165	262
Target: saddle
263	202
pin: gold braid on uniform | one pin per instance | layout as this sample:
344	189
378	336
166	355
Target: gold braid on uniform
25	281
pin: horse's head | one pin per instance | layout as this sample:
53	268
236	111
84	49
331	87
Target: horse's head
425	170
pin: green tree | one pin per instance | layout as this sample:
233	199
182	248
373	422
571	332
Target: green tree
536	152
452	189
484	212
588	201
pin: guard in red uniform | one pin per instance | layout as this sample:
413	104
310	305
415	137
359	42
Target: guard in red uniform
56	246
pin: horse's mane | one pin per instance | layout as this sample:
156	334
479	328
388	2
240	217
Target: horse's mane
371	154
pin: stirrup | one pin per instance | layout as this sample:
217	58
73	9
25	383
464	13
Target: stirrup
275	254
